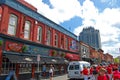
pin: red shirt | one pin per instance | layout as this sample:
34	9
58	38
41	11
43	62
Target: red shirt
102	77
109	70
98	68
85	71
116	75
91	70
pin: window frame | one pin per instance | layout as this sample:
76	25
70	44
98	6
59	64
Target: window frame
39	34
12	26
66	43
25	29
56	40
48	37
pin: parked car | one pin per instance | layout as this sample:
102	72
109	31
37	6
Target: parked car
75	69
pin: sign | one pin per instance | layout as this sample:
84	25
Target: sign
38	58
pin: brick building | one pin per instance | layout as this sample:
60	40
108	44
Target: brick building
25	34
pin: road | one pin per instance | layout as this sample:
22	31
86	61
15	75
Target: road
60	77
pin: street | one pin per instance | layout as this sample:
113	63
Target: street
60	77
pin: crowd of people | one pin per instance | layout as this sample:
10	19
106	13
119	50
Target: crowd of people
102	72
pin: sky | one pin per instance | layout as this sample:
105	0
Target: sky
74	15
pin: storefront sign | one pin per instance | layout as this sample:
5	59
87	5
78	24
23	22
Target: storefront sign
38	58
15	47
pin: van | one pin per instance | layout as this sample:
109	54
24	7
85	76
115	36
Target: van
75	69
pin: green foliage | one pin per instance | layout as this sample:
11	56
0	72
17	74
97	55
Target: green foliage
1	42
24	48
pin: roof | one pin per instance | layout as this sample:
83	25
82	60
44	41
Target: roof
79	62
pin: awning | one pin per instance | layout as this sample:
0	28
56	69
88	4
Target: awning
72	57
33	59
21	58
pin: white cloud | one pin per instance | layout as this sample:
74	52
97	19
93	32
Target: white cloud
103	21
63	10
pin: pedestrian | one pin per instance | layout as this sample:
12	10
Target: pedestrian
116	74
95	72
91	73
119	67
51	72
44	70
102	75
109	71
85	72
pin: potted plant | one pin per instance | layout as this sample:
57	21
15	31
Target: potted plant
1	42
24	48
63	54
54	53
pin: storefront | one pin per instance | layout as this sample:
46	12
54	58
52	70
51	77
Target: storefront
21	56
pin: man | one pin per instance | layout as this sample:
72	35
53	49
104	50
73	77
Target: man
109	71
85	72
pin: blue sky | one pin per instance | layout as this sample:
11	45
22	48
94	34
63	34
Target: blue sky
74	15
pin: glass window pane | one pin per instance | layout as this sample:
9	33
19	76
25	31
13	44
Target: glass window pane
12	24
48	37
12	21
26	34
71	67
27	29
11	30
76	67
39	34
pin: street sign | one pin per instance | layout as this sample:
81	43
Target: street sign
38	58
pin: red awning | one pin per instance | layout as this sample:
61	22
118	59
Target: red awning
72	57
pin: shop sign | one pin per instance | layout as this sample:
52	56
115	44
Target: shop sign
37	50
38	57
15	47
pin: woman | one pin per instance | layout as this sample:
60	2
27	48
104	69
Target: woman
51	71
102	75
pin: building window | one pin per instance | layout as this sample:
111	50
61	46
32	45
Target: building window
56	40
66	43
12	24
0	13
27	29
62	41
48	37
39	34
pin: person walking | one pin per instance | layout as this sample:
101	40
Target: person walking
51	72
109	71
44	70
85	72
95	72
116	74
102	75
91	73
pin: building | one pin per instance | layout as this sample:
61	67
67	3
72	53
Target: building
108	58
84	51
94	55
91	37
28	40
